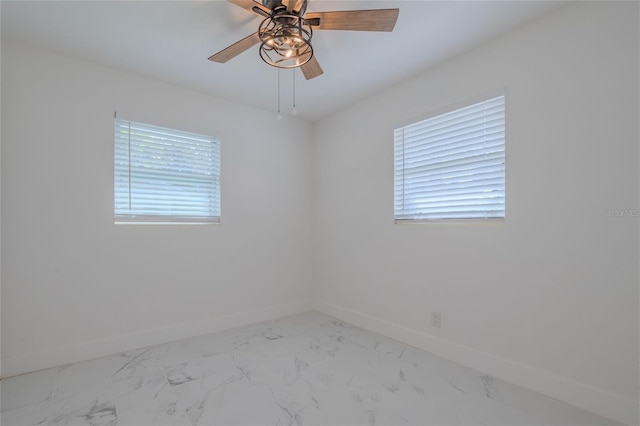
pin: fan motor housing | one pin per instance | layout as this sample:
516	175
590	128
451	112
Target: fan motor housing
275	4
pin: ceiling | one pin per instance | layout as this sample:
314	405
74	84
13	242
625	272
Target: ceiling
171	41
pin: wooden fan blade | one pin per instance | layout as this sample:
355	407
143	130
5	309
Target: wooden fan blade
293	5
250	5
356	20
236	48
311	69
290	4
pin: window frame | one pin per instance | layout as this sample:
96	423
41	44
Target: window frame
402	216
182	151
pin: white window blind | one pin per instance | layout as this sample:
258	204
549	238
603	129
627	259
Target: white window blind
165	175
452	166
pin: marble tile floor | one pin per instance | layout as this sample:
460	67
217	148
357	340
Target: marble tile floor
305	369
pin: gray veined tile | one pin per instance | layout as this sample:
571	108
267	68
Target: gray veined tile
133	384
83	401
153	403
284	376
139	370
212	373
338	404
244	404
307	369
404	403
183	373
97	413
256	339
134	365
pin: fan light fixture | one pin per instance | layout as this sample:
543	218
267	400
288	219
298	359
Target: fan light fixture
285	39
285	35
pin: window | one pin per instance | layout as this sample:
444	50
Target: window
165	175
452	166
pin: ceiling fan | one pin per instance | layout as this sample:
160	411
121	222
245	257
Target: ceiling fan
285	33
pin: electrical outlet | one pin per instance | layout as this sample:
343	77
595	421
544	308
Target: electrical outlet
435	319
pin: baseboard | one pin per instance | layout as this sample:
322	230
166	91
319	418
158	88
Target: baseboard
94	349
578	394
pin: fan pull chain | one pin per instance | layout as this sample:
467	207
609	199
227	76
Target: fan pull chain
279	116
293	110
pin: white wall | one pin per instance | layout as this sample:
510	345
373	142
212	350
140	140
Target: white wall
74	285
549	297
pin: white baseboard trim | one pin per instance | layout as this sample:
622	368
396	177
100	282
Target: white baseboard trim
578	394
62	355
